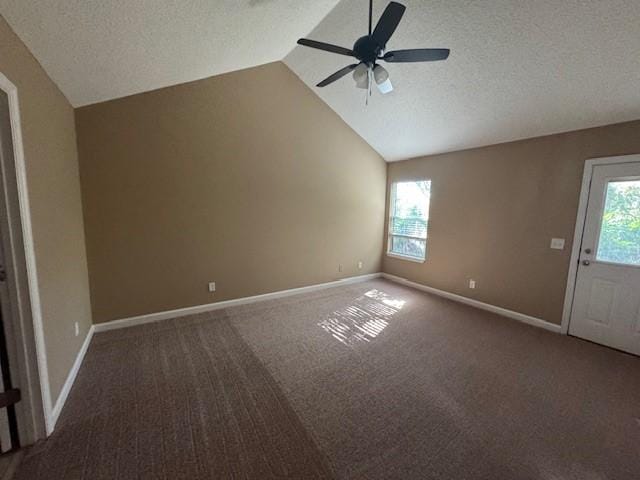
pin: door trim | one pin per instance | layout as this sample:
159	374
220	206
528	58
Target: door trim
35	378
579	229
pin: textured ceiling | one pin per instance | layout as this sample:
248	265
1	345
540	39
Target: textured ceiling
97	50
517	69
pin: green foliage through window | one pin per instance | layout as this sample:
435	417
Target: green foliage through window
620	231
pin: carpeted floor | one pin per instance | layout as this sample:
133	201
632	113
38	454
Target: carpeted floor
367	381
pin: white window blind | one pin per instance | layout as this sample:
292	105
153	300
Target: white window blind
409	219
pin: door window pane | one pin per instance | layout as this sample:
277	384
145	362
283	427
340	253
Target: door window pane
620	230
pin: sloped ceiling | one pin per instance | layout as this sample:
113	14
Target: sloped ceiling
97	50
517	69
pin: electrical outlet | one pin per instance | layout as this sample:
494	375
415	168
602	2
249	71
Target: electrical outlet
212	286
340	267
472	284
359	265
77	329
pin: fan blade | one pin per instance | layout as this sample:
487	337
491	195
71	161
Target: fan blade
327	47
337	76
388	23
416	55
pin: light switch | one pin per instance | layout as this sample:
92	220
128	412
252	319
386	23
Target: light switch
557	243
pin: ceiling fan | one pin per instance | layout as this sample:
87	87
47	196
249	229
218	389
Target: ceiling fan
370	49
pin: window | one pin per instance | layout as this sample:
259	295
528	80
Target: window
409	217
620	230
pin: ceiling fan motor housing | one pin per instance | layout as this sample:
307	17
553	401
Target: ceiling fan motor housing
367	49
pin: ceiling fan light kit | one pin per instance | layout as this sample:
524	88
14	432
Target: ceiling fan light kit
381	76
361	76
370	49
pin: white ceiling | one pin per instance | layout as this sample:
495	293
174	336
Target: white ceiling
517	69
97	50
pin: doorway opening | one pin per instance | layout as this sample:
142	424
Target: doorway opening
23	406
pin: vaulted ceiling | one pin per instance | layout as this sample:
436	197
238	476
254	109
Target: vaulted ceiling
97	50
517	69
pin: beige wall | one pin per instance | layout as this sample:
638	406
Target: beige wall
247	179
56	210
494	211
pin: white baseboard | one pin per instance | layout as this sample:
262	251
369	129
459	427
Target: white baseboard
182	312
521	317
71	378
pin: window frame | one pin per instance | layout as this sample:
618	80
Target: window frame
390	235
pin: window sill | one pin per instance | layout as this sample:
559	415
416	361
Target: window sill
405	257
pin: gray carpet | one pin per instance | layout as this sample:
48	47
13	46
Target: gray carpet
372	380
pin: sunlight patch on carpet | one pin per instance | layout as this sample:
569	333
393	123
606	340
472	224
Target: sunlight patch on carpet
363	320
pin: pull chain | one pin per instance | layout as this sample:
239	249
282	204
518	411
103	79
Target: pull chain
368	93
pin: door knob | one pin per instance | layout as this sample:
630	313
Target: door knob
586	263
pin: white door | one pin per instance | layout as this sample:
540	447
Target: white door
606	305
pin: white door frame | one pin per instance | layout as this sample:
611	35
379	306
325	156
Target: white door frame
579	230
32	377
